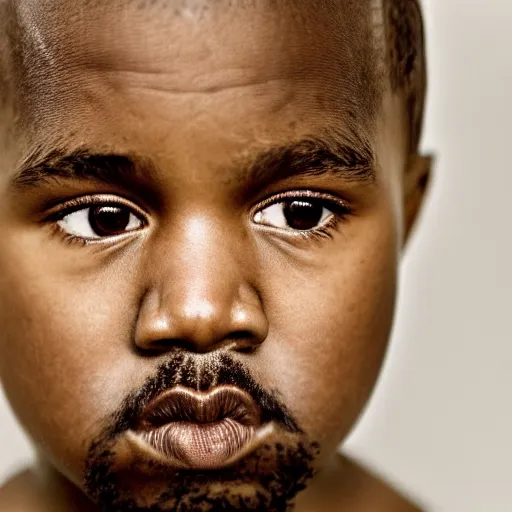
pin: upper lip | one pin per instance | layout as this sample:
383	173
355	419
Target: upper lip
182	404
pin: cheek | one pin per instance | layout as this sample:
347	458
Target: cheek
331	327
67	326
64	361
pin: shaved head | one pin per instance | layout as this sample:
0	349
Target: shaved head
394	37
406	60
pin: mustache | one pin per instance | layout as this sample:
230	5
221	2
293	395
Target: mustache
201	374
278	470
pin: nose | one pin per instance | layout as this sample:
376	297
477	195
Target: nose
200	296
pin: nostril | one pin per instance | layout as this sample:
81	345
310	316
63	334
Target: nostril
240	335
242	341
247	349
163	345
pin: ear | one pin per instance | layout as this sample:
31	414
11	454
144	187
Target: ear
416	180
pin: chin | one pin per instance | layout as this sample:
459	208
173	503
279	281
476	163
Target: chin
124	477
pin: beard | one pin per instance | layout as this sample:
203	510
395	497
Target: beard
268	479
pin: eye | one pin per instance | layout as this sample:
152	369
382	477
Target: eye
301	214
98	221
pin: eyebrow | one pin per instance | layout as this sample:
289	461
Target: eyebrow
309	157
313	156
82	164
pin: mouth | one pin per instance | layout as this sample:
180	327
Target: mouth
195	430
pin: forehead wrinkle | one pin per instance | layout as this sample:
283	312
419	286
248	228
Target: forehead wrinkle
360	87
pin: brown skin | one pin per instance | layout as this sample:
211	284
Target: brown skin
195	90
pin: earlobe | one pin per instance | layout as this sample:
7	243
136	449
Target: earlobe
416	180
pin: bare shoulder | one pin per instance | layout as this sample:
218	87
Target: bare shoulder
18	494
366	490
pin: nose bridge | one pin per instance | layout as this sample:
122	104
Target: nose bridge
200	278
204	295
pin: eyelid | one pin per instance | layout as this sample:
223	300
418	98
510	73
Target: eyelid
335	202
72	205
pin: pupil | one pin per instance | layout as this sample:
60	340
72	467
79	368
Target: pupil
303	215
109	220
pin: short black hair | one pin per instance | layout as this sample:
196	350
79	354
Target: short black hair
407	61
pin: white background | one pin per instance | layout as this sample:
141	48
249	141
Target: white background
440	421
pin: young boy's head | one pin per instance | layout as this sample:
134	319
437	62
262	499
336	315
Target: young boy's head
203	206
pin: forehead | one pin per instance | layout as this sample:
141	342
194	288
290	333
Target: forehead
302	61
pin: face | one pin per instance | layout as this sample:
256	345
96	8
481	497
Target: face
201	220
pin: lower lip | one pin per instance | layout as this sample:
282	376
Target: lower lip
198	446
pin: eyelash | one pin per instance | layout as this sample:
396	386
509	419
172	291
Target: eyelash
78	203
340	210
70	239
